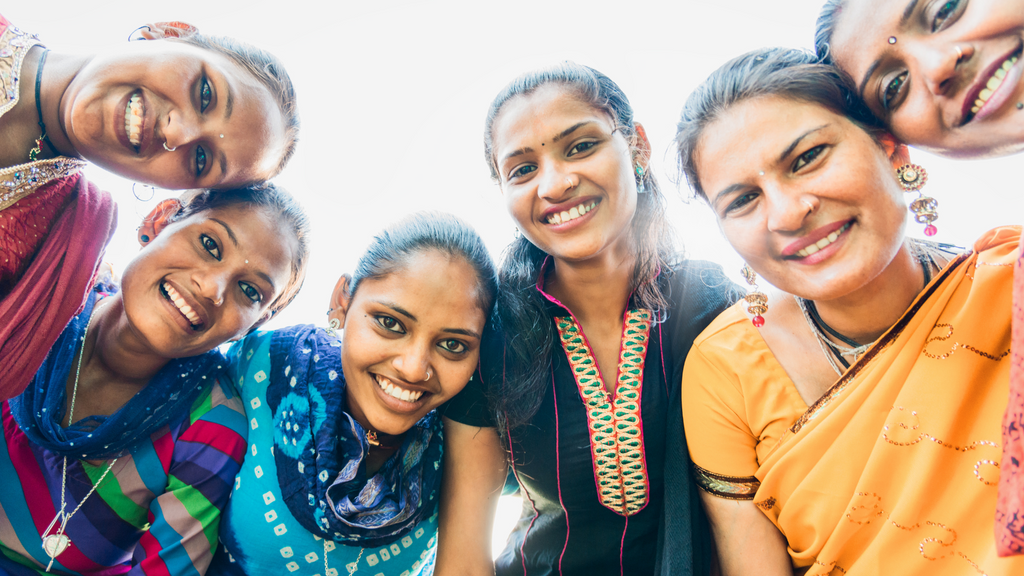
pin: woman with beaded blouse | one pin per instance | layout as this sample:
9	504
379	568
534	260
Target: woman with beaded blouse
188	111
848	422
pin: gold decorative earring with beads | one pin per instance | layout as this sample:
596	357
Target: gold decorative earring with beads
925	208
757	301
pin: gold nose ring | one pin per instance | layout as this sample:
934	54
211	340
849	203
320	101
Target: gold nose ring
569	182
959	53
169	149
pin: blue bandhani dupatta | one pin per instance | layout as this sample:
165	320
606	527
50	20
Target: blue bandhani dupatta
39	410
320	449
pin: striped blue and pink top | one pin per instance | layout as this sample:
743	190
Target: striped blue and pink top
157	512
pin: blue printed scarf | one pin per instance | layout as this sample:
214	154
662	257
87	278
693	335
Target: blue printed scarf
320	449
39	410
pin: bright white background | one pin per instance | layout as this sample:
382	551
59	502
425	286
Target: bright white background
393	93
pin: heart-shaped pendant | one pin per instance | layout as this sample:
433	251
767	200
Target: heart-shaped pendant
55	544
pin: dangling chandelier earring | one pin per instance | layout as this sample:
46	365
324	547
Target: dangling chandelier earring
925	208
640	187
757	301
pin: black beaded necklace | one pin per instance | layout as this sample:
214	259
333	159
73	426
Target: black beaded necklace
33	154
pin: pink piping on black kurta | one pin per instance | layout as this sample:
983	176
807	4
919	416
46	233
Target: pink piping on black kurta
558	472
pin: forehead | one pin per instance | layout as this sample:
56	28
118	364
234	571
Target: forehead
541	115
861	32
433	285
726	147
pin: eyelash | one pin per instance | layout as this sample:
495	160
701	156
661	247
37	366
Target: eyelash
741	201
251	292
210	245
808	157
200	160
944	13
893	89
444	345
383	321
205	94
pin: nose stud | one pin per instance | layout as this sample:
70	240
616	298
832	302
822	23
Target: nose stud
169	149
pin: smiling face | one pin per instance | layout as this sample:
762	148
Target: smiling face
952	80
812	204
411	341
205	279
224	127
566	174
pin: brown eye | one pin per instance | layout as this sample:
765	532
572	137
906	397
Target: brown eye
892	91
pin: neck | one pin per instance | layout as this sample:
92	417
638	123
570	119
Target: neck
593	288
58	72
116	354
868	312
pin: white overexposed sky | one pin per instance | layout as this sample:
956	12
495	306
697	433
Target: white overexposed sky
393	93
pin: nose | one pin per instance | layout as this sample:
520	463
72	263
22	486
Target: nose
413	363
180	129
212	284
938	63
555	184
788	212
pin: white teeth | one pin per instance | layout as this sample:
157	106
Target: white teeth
133	119
805	252
396	392
571	214
993	83
184	308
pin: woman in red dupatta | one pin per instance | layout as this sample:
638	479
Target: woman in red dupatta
156	112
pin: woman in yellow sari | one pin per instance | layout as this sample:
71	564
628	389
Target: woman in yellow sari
849	422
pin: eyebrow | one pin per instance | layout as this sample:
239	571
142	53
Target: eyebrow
409	315
789	150
904	18
229	102
228	230
462	332
560	135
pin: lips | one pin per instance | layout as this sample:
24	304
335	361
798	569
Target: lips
405	395
191	313
986	95
133	119
816	240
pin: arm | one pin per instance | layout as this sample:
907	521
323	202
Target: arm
747	541
184	520
474	473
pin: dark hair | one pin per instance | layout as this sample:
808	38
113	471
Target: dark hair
824	29
521	308
270	72
275	201
392	248
785	72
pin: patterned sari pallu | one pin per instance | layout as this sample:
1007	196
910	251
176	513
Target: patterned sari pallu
894	469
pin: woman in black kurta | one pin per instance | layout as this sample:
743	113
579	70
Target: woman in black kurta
591	287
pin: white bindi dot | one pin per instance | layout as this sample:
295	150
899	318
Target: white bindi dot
761	173
246	261
892	39
221	135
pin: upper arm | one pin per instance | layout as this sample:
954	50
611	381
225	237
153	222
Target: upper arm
184	520
746	540
474	473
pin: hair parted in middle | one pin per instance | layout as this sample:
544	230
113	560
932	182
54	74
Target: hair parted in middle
520	310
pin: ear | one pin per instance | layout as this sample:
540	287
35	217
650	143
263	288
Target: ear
641	147
341	299
896	151
158	219
159	30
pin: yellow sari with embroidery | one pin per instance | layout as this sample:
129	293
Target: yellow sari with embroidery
894	470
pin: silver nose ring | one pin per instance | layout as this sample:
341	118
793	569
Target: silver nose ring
169	149
959	53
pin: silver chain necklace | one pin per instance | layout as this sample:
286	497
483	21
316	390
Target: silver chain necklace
55	544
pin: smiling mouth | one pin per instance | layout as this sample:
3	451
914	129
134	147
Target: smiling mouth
993	83
571	214
394	391
813	248
172	295
133	120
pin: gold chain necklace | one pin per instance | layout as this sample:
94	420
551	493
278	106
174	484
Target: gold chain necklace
55	544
